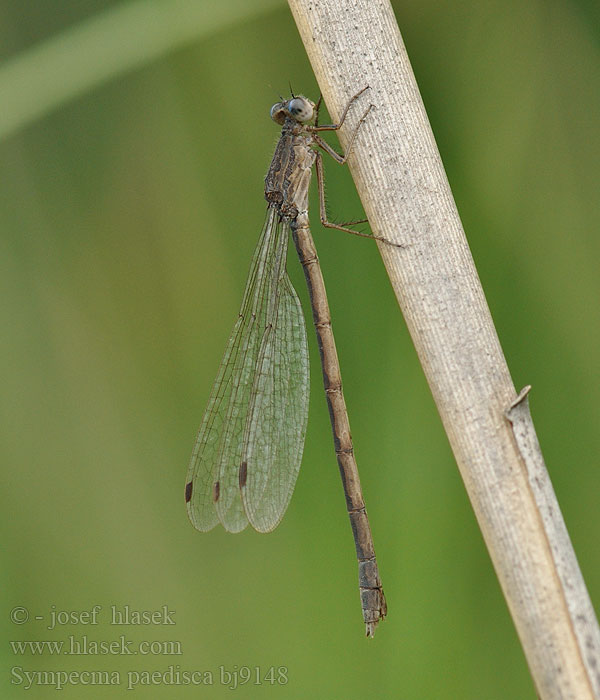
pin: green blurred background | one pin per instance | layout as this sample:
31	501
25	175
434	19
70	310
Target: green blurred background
128	219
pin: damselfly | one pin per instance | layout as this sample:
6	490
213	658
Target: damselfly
249	447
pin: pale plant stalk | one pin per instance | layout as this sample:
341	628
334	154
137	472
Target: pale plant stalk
401	180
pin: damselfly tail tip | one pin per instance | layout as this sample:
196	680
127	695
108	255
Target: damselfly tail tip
375	613
371	626
371	629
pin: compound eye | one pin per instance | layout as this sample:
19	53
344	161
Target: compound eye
301	109
278	113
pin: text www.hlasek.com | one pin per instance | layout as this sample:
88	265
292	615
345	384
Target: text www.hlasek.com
83	646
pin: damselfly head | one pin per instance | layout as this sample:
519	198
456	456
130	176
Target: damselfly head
299	108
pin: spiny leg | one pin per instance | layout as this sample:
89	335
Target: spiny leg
335	127
317	108
323	209
341	159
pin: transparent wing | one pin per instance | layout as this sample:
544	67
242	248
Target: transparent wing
276	425
223	456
